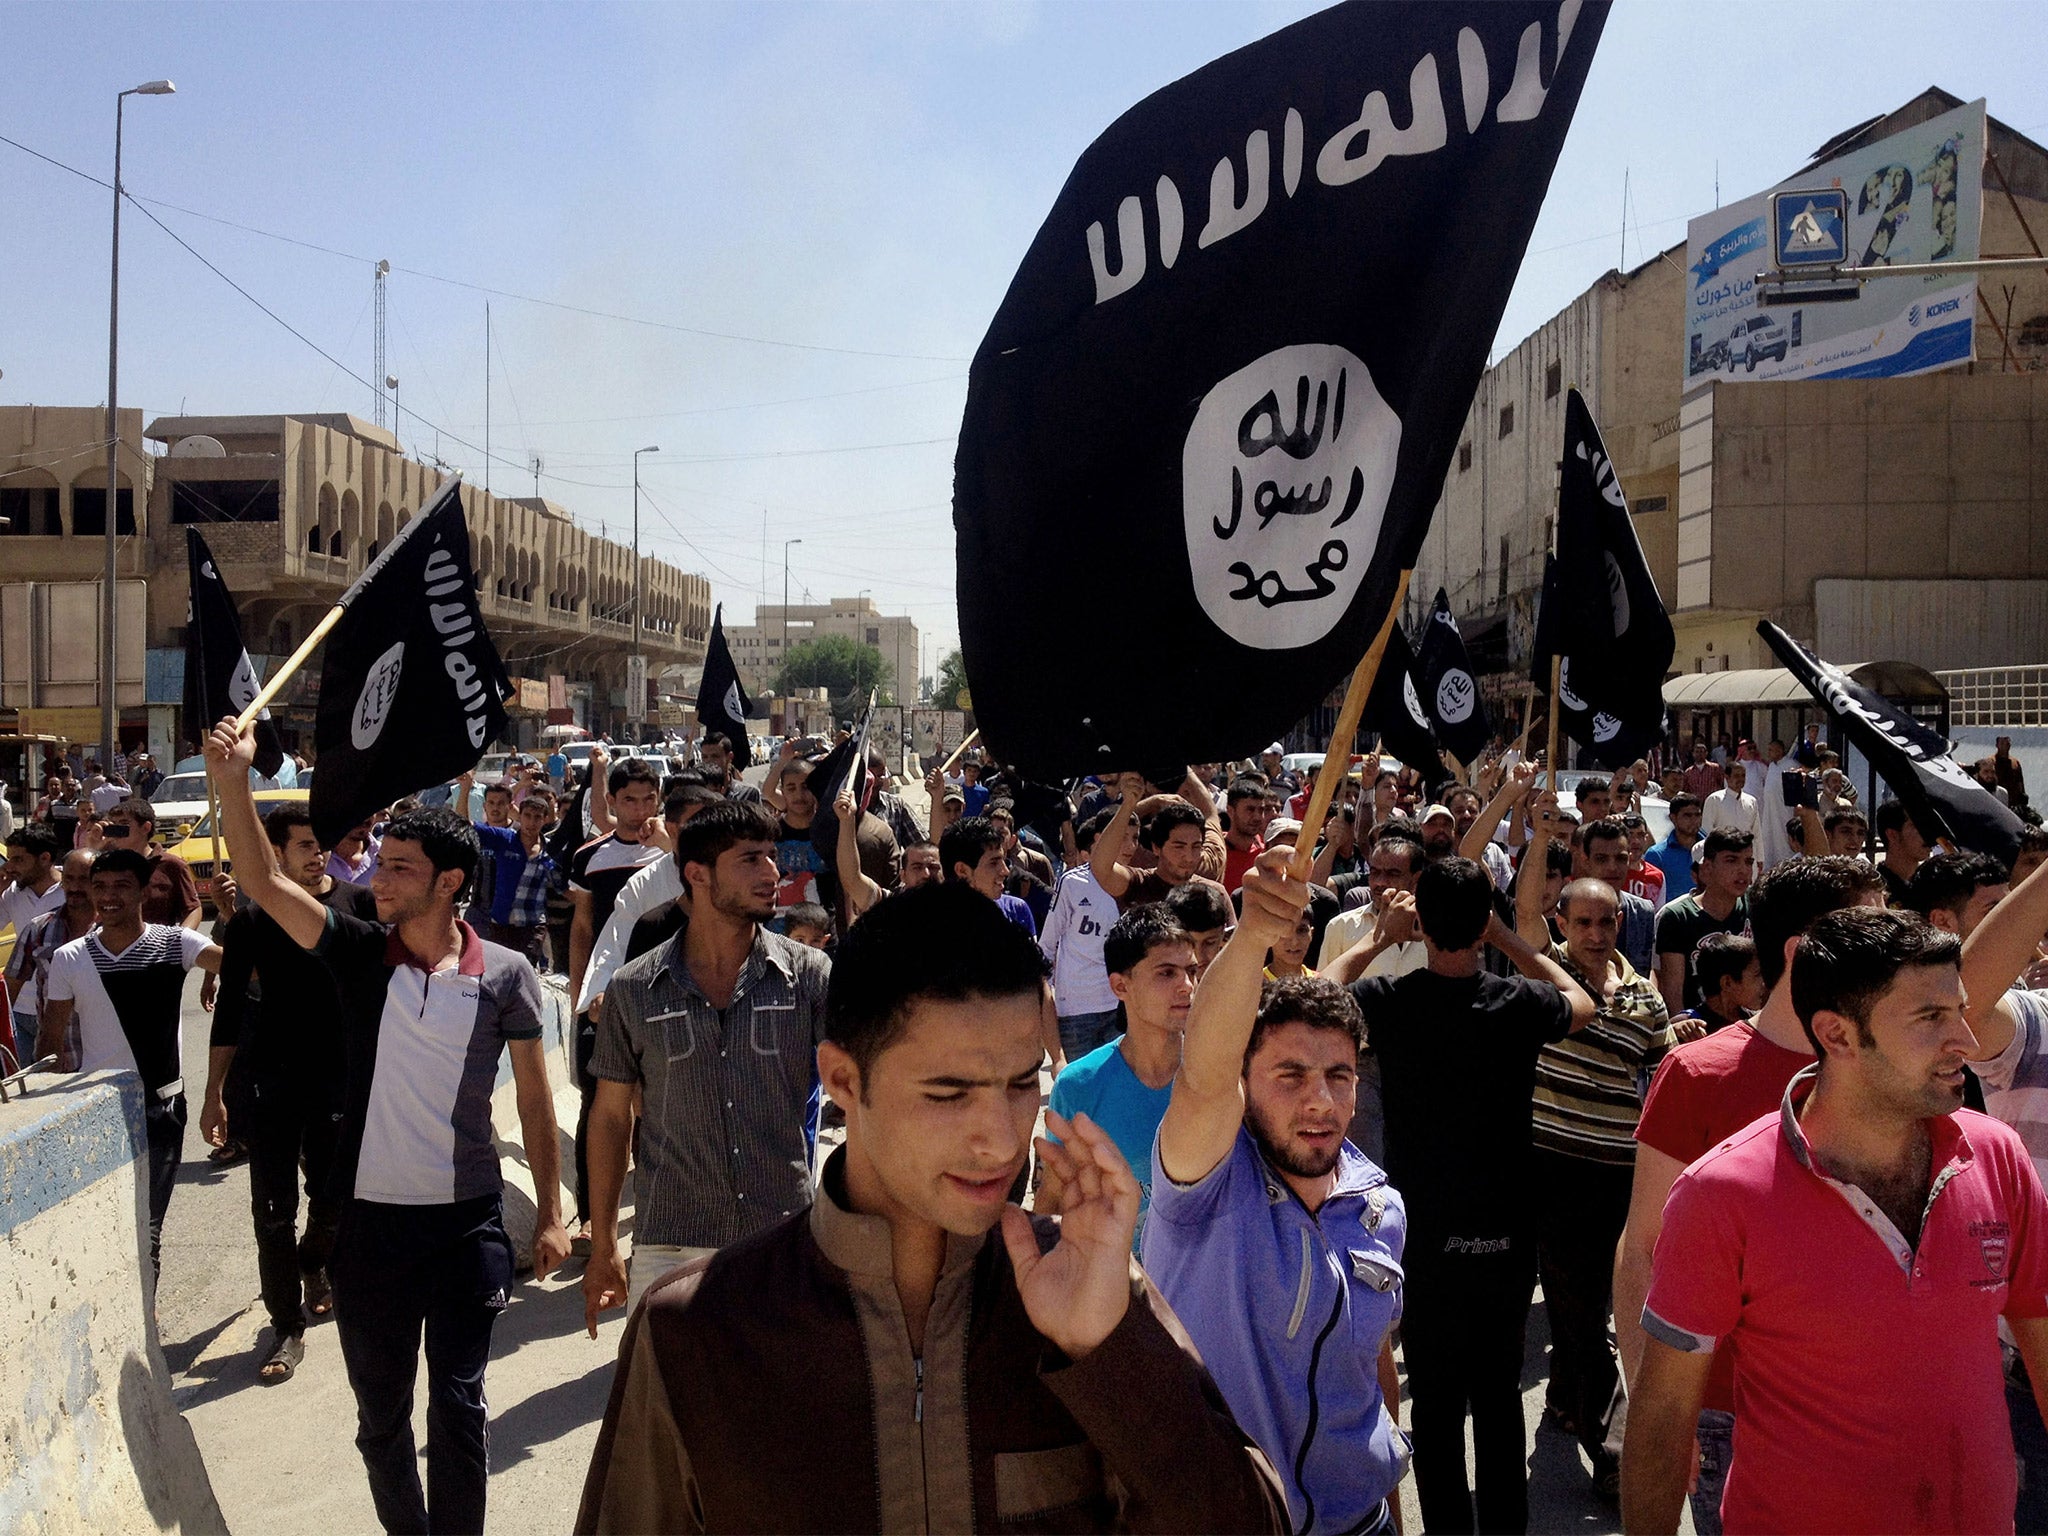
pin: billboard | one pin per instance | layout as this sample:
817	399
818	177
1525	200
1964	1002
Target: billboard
1915	196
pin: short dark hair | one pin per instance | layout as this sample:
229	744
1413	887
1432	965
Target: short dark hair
1245	787
1557	858
2033	838
1454	900
1398	826
1721	957
448	840
1088	831
1316	1001
121	861
279	820
1169	818
807	914
1200	906
1791	897
682	796
1726	840
1841	817
1458	791
632	771
539	793
1607	829
499	787
1401	843
1891	815
1136	934
967	841
1948	880
937	943
134	808
1849	959
1684	800
719	828
1589	786
716	739
36	838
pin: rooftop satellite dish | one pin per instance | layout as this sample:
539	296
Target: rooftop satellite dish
198	448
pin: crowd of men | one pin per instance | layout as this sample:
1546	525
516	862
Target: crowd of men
1327	1103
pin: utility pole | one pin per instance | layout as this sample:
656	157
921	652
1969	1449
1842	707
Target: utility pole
487	397
786	543
636	697
378	369
536	476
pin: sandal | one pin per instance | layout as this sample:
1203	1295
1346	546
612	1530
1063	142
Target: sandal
319	1294
284	1360
229	1153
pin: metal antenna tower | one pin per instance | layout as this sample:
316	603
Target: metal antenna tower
377	372
537	467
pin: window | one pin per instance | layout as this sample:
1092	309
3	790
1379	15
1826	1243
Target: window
224	501
1553	380
1652	504
29	509
1503	590
89	510
1464	457
1507	420
874	637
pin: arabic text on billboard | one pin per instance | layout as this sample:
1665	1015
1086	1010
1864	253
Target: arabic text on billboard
1917	196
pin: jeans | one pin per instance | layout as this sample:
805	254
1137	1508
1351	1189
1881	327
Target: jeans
284	1124
400	1271
530	940
1581	1224
1462	1334
1716	1434
1081	1033
164	1126
2030	1441
24	1042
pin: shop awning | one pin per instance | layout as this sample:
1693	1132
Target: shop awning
1764	687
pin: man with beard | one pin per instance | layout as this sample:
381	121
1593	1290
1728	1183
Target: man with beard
1858	1249
1460	1159
718	772
1278	1245
716	1030
1439	832
1249	808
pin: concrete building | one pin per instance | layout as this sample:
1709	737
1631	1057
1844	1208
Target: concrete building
294	507
758	648
1880	519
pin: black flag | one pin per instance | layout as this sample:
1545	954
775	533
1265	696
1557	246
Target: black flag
721	705
1449	694
1223	389
1601	610
846	763
1394	709
411	686
220	680
1914	762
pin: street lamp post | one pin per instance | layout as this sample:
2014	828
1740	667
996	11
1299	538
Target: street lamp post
391	383
785	598
110	708
637	702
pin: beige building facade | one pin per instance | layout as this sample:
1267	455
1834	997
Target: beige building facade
758	648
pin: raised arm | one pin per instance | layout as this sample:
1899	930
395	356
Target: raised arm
1513	789
1537	966
1395	923
600	800
295	909
1994	957
861	892
1105	857
1207	1104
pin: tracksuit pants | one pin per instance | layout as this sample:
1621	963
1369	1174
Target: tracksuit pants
1584	1209
284	1124
164	1130
401	1273
586	1085
1462	1321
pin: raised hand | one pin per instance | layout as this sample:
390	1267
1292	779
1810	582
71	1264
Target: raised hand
1273	899
1077	1294
228	749
1397	922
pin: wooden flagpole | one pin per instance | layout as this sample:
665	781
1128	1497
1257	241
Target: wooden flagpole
1556	682
1337	759
283	674
961	750
213	820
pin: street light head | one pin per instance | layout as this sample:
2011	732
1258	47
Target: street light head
391	381
655	449
155	88
383	268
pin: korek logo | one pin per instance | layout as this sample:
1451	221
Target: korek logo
1454	696
373	704
1284	482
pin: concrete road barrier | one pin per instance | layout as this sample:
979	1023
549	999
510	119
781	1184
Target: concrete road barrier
89	1438
559	1041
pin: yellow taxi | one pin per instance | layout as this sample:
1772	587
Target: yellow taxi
197	848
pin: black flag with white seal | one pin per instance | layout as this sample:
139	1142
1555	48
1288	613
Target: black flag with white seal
411	685
722	705
1395	710
846	763
1443	674
1224	387
1614	739
220	680
1915	763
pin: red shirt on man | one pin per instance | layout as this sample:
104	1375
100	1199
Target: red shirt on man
1237	860
1869	1389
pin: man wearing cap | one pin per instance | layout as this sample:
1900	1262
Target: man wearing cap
973	792
1272	763
1439	832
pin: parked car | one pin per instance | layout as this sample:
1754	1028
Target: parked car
179	801
1760	338
197	847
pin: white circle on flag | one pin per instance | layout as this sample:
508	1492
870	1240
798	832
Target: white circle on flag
1605	727
373	704
1454	696
1564	688
1414	703
732	700
1617	593
1285	475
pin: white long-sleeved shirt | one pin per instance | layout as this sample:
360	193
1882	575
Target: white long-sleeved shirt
647	892
1732	809
1082	915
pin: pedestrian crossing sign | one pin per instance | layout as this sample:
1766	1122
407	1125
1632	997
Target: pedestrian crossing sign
1810	228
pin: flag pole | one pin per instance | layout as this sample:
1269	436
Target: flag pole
283	674
213	820
961	750
1556	682
1337	759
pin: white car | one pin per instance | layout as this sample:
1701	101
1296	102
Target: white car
179	802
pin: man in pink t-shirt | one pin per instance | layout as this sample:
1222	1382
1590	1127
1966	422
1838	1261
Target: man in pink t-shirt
1855	1252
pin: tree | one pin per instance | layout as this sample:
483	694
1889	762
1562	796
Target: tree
952	679
844	668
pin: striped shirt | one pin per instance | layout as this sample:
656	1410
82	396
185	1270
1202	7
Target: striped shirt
723	1147
129	1004
2016	1079
1586	1102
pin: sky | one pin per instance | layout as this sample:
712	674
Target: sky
766	238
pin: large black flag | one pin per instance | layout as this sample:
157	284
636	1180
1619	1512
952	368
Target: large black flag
411	686
1449	694
1222	391
1914	762
1601	610
1394	709
846	763
722	705
220	680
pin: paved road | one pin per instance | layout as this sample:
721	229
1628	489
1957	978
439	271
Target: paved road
283	1460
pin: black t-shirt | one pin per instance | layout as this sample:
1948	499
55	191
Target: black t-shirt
1683	923
280	1006
1457	1058
602	869
1894	885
